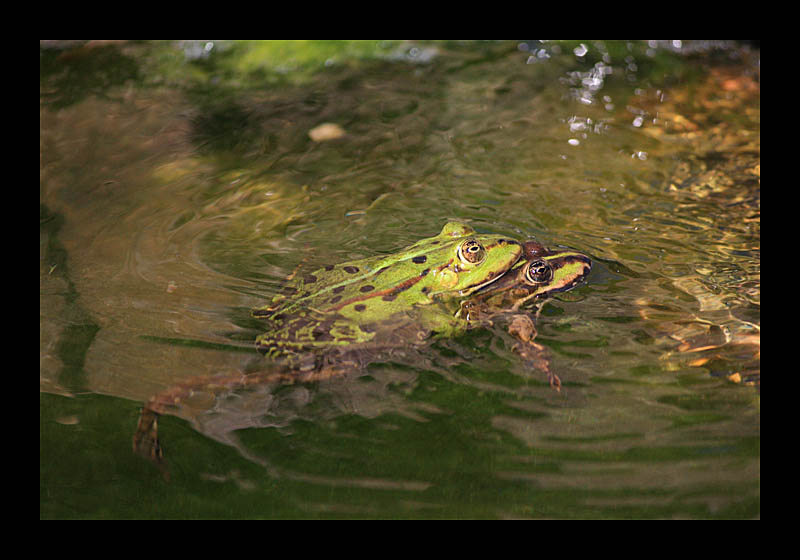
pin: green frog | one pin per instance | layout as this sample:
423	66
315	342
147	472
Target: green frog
339	317
379	301
540	273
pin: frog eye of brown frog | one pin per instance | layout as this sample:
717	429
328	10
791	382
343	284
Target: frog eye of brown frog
471	252
538	272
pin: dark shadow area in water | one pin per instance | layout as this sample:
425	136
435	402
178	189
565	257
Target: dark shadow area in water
72	75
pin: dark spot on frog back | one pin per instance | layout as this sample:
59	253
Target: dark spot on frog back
420	259
322	332
350	269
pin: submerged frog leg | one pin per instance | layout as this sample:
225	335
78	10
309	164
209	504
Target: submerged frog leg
146	441
523	328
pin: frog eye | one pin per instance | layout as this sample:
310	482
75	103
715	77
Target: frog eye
538	272
471	252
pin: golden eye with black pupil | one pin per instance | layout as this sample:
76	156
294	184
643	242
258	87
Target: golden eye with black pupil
538	272
471	252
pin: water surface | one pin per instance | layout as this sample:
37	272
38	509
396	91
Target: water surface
182	182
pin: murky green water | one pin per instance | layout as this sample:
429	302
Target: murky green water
180	185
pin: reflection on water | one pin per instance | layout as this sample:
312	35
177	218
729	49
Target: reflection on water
177	192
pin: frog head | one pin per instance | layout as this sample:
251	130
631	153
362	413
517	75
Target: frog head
463	261
453	264
541	272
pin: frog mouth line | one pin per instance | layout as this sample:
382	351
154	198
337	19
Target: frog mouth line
494	277
470	289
